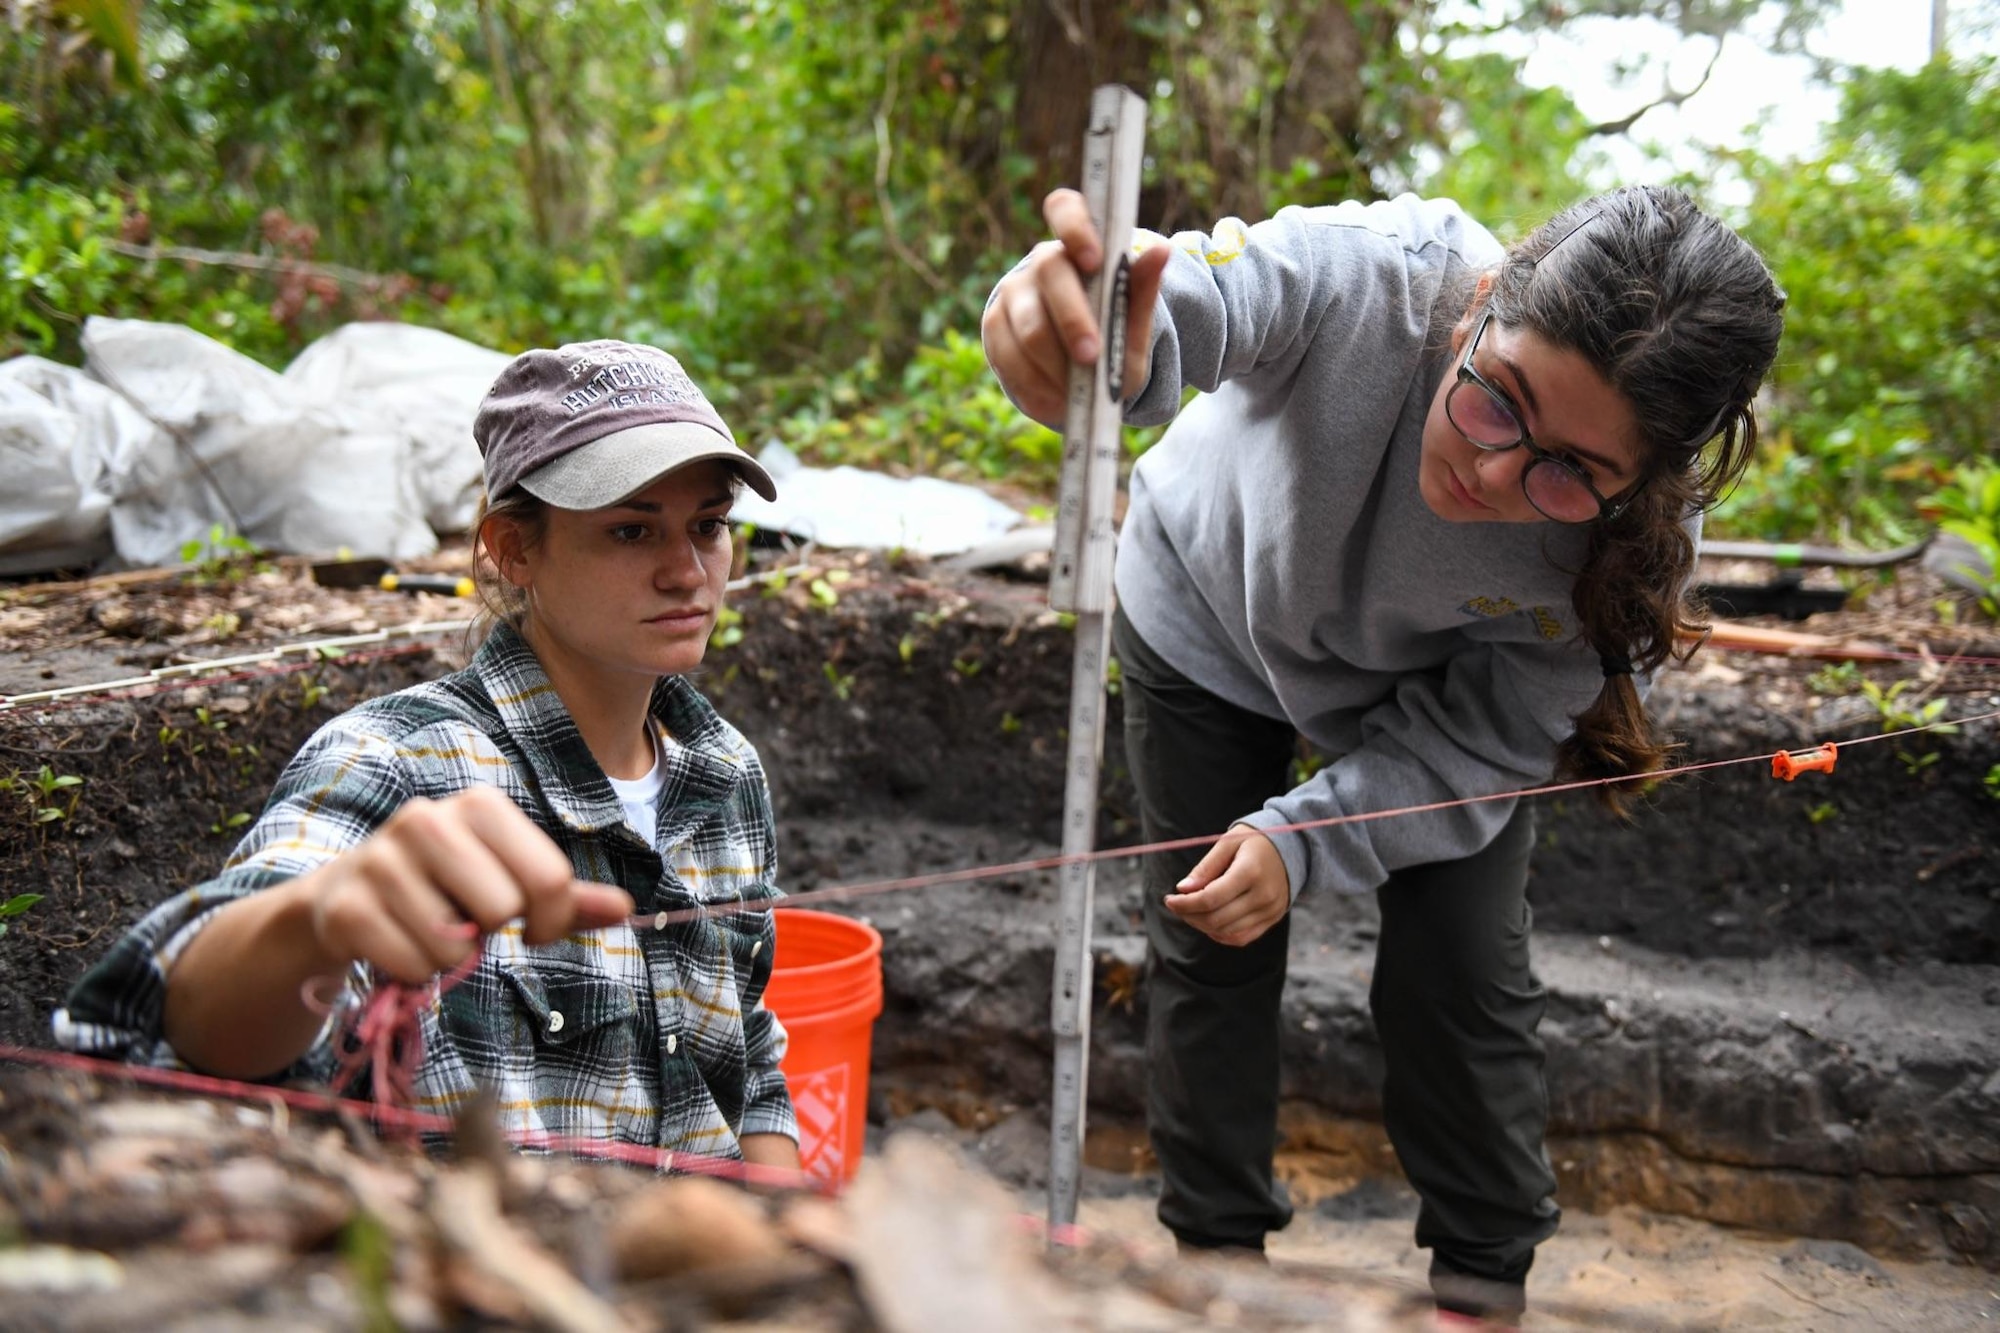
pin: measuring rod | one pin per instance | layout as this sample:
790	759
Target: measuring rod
1080	582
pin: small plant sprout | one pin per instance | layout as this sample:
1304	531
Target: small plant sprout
823	594
1899	714
16	905
1992	782
47	784
1822	812
967	667
843	685
225	557
41	794
1009	724
1835	678
311	694
229	823
224	624
906	648
728	631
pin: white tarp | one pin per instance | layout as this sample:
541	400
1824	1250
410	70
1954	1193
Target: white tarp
422	383
66	444
848	507
364	444
301	475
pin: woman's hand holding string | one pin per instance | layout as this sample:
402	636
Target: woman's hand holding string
402	899
411	901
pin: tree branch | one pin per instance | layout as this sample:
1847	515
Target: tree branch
884	155
185	254
1666	98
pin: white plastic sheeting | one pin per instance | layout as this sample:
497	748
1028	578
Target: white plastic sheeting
67	444
302	464
364	443
421	383
849	507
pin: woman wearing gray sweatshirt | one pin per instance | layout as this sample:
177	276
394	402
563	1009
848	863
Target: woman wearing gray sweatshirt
1433	505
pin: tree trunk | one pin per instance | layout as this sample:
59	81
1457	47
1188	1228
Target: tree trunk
1063	50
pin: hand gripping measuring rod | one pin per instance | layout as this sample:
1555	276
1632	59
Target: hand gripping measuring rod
1080	582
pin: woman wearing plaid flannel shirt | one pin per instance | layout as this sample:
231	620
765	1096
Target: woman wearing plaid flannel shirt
569	778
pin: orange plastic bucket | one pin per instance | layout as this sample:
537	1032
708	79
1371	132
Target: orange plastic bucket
826	988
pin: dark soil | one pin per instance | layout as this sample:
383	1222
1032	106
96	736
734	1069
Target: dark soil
914	721
907	694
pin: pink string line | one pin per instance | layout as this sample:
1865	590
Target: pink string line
384	1034
660	1159
848	892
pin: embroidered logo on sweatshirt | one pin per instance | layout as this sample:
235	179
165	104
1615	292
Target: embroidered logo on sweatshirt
1547	623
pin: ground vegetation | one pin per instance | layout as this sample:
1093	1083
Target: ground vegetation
808	202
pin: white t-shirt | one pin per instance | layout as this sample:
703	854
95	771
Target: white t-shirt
640	796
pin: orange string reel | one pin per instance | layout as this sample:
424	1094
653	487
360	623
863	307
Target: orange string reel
1787	765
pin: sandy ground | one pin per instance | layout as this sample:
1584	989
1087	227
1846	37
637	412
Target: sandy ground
1632	1269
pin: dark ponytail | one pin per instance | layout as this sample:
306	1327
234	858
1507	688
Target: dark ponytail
1680	315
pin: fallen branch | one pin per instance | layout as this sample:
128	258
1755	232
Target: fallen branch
1728	636
188	254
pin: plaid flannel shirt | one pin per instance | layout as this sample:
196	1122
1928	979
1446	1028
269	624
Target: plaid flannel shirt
648	1036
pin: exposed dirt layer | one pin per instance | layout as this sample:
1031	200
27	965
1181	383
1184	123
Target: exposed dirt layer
1772	1003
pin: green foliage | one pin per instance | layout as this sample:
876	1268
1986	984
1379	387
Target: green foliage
808	201
16	905
943	414
1968	507
1888	245
1516	155
53	262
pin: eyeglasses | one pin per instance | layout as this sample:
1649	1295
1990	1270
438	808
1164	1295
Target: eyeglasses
1558	488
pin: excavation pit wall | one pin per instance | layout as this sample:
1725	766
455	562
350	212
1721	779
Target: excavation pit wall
1771	1005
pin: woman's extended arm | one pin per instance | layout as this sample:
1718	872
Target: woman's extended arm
399	901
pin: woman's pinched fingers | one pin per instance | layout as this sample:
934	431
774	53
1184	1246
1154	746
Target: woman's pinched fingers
1025	352
355	924
453	856
536	868
409	916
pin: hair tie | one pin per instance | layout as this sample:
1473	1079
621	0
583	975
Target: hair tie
1618	665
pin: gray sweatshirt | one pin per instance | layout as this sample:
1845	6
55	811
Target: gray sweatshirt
1277	552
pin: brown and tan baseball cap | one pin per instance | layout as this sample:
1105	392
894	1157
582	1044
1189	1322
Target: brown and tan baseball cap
585	425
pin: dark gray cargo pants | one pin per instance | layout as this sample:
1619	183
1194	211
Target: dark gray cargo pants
1455	1003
